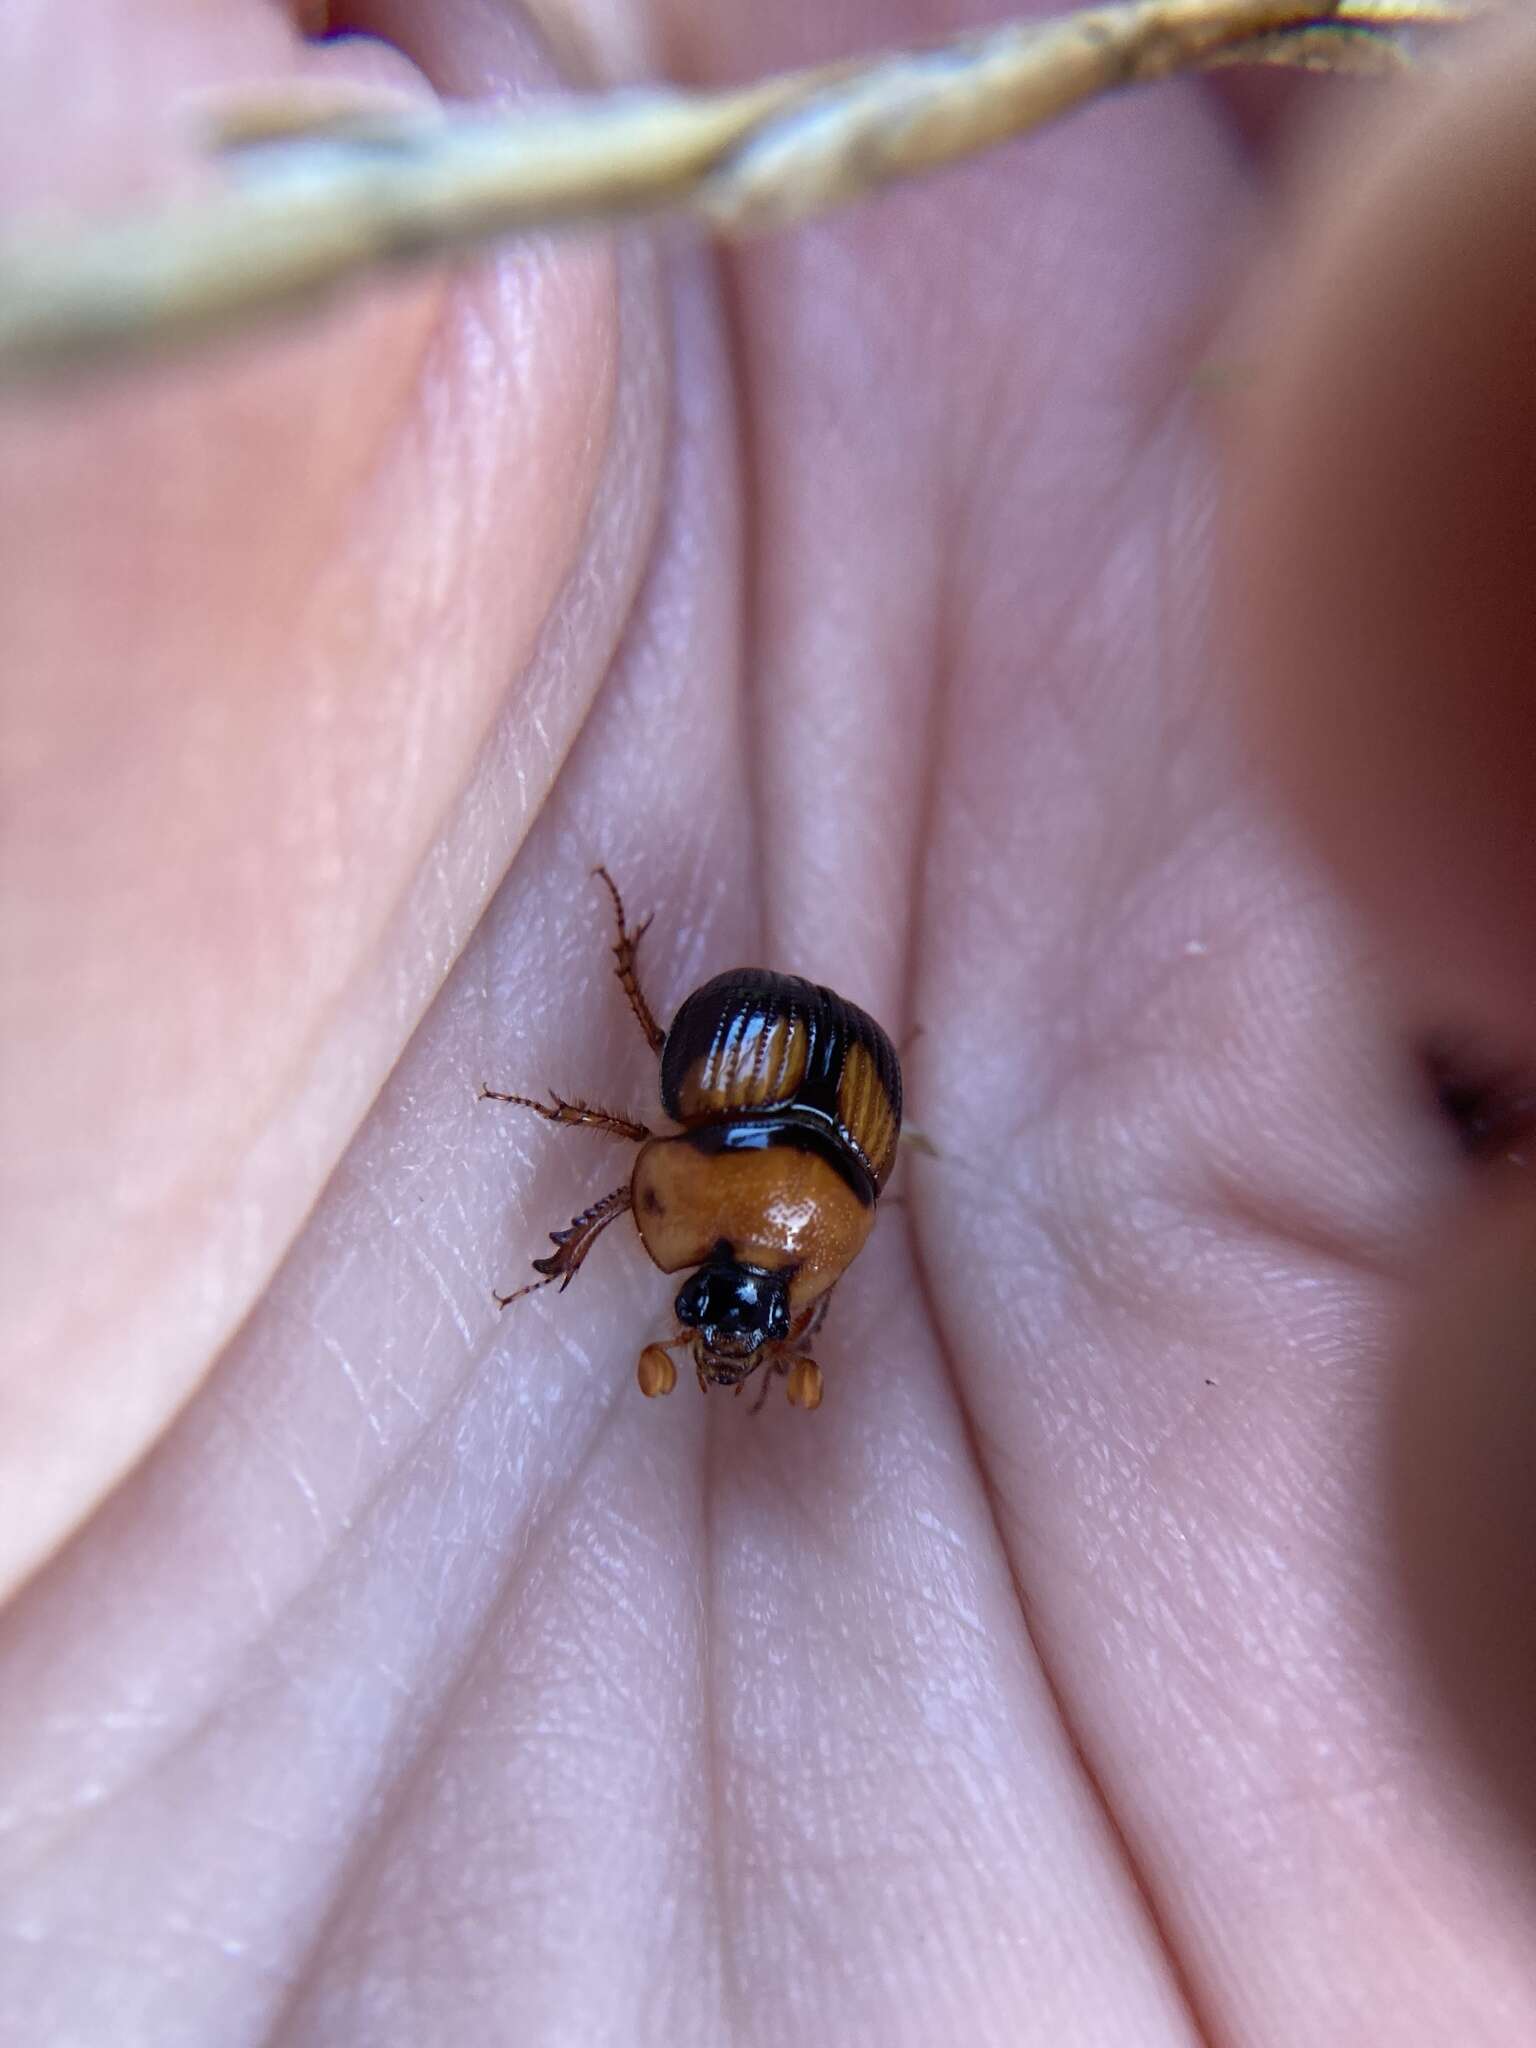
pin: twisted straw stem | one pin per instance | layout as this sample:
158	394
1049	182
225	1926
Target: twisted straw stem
310	203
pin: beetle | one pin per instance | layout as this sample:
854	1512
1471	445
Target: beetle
787	1099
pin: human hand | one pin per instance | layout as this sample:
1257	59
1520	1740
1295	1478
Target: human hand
850	598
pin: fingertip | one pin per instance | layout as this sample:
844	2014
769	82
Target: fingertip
1385	540
1464	1501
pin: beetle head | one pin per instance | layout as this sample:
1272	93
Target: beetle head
736	1310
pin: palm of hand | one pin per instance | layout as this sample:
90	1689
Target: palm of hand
426	1683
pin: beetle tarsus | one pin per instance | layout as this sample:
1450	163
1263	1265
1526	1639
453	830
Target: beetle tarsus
625	947
558	1111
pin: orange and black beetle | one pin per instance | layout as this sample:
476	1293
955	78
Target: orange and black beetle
789	1099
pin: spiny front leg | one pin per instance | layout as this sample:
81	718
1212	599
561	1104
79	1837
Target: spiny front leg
625	947
558	1111
572	1246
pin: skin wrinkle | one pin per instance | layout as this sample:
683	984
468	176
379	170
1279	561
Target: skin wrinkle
748	471
1105	903
743	461
515	1588
304	1593
711	1726
361	1514
933	749
369	1850
1201	2033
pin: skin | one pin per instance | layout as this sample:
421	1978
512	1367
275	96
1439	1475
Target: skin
1099	1664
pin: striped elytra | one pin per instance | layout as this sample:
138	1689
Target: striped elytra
751	1043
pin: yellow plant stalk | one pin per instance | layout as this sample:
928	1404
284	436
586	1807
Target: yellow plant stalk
315	199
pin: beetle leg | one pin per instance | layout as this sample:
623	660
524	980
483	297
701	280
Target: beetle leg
625	947
771	1370
571	1246
558	1111
810	1321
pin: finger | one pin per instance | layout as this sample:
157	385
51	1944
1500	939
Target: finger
1387	548
1464	1456
1388	555
262	610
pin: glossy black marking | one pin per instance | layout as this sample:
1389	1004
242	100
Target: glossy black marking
762	1133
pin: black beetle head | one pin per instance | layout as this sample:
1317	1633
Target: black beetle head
736	1310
